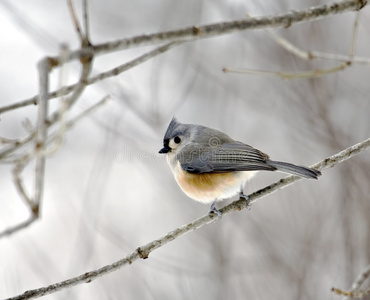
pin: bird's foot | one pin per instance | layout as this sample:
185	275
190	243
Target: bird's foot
249	205
214	210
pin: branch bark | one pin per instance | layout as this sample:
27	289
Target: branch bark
192	33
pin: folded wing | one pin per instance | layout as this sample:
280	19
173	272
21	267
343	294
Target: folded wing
227	157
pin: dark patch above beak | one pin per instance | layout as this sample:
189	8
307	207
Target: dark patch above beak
165	150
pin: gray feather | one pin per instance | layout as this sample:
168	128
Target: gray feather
295	170
223	158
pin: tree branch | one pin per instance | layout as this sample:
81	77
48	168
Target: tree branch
192	33
144	251
355	291
19	165
309	55
41	134
104	75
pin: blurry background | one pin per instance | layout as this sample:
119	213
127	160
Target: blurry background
108	191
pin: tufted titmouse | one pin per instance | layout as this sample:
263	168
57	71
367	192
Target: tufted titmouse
210	166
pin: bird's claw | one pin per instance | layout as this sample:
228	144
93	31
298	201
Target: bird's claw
214	210
246	197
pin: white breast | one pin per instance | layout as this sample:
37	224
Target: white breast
208	187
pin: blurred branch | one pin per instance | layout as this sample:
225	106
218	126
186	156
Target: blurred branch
311	55
20	165
351	294
104	75
75	22
308	55
86	20
361	279
144	251
17	170
18	227
288	75
41	139
41	134
355	291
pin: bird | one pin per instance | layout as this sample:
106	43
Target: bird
210	166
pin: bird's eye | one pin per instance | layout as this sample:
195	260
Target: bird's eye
177	140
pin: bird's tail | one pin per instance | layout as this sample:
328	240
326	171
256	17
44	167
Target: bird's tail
293	169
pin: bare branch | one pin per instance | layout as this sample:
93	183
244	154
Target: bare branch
144	251
20	163
192	33
104	75
41	138
17	170
6	151
41	134
354	36
310	55
355	291
18	227
75	22
361	279
350	294
139	60
31	101
77	91
302	54
288	75
86	20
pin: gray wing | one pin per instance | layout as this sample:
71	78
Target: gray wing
228	157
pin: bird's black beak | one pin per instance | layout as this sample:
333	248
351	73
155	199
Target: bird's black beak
165	150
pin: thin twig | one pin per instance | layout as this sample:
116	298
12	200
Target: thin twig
18	227
301	54
144	251
355	291
59	116
354	37
77	26
21	142
41	134
133	63
18	181
104	75
351	294
361	279
310	55
86	20
63	106
288	75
